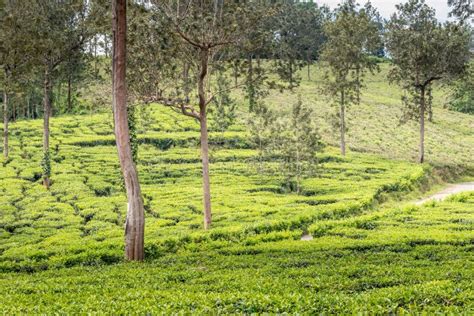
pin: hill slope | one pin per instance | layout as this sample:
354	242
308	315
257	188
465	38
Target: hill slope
365	256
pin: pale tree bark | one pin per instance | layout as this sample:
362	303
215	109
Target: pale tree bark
309	67
204	138
251	92
422	126
69	87
430	104
342	124
46	115
14	112
135	221
5	124
28	115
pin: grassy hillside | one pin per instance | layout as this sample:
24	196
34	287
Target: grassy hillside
374	125
366	255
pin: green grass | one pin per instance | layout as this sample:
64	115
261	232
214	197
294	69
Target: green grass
61	250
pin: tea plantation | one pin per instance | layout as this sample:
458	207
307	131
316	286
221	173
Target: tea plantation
372	250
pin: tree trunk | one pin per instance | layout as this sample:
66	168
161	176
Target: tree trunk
358	85
46	116
24	107
96	74
28	116
205	172
236	73
69	101
291	75
5	124
204	139
422	126
430	104
309	69
250	87
135	221
342	125
14	112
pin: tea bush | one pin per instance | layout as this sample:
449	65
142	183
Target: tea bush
61	249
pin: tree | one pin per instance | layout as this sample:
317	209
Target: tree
462	98
462	9
259	125
14	55
197	36
223	113
423	51
296	142
291	140
352	37
135	221
60	29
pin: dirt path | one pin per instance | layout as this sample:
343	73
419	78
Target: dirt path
441	195
451	189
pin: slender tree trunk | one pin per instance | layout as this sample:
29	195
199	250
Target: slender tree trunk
250	87
135	221
309	69
24	107
28	115
358	84
69	101
430	104
14	112
343	125
204	139
422	125
291	75
95	58
46	116
5	124
206	185
235	70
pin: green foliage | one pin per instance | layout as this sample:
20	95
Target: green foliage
424	51
352	37
295	142
259	125
462	9
223	113
462	98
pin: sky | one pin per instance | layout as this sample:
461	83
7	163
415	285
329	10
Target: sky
387	7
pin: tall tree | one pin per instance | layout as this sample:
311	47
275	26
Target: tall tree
299	29
15	51
61	28
424	51
352	39
135	221
202	35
